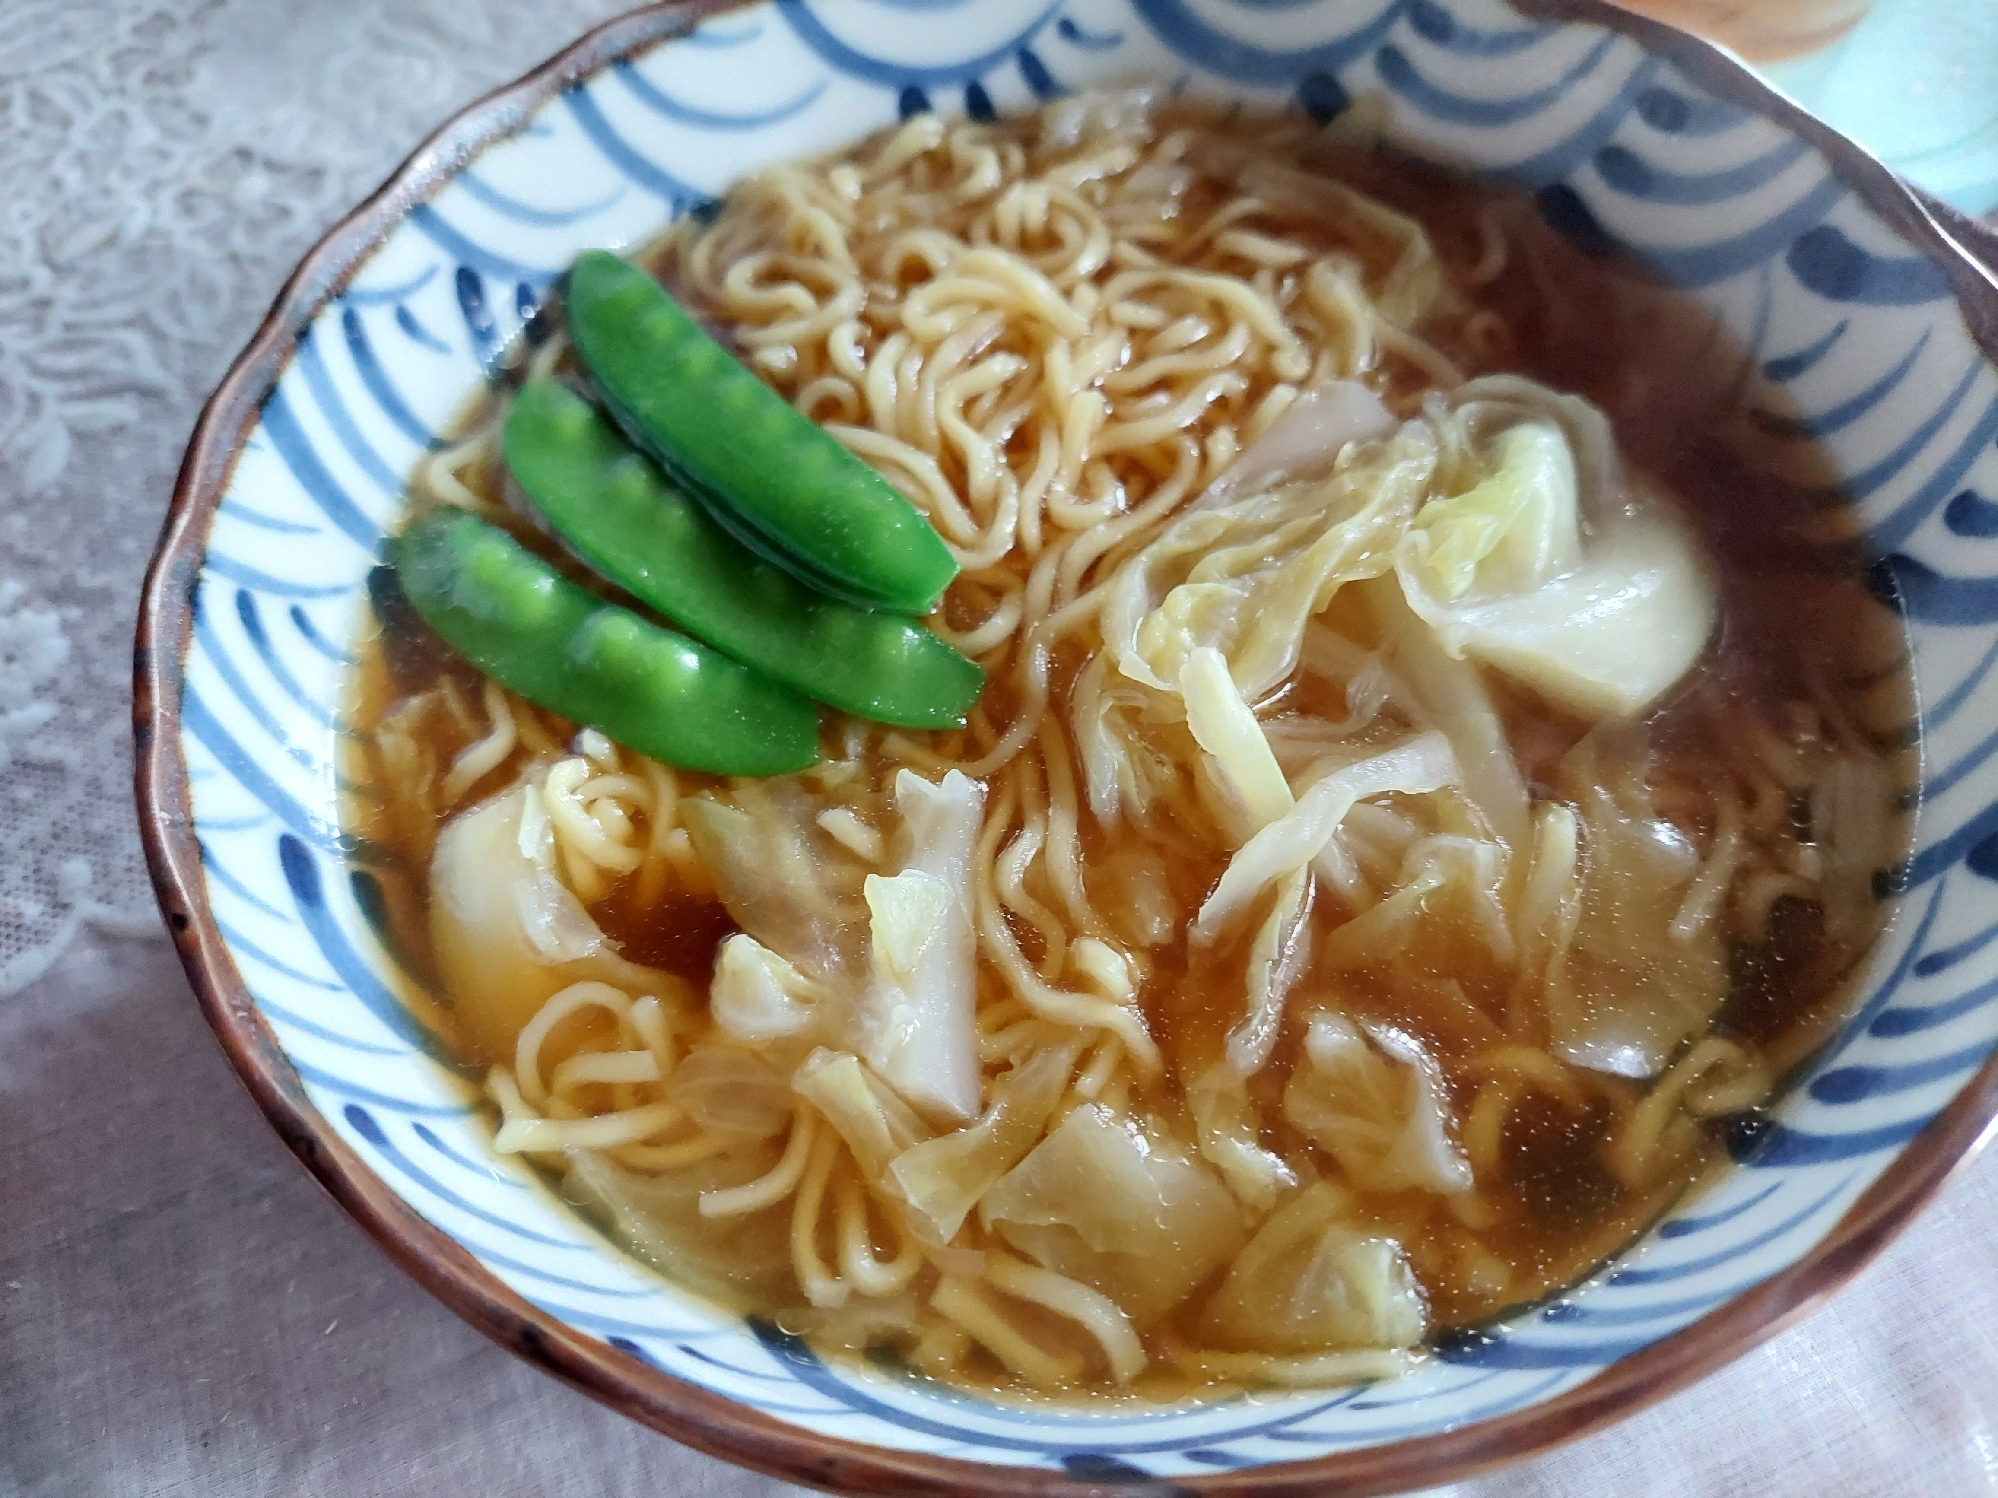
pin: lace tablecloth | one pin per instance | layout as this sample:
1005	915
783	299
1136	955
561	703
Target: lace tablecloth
181	1311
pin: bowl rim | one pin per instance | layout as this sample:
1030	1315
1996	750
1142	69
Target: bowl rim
715	1423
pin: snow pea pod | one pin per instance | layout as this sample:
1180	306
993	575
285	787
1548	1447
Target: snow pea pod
777	482
532	630
638	529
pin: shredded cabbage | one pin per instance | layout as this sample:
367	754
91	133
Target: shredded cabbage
1277	959
1125	772
1230	1132
1447	694
1441	875
1224	725
1246	578
1291	841
1227	1121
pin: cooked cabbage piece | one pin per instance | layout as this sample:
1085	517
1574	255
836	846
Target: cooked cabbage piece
659	1215
732	1090
1228	1121
875	1123
1126	1211
757	996
782	877
918	1029
1376	1101
881	965
1231	1130
1516	528
942	1179
1455	879
1450	696
1605	640
1224	725
1304	443
1247	577
1576	579
1629	988
507	933
1311	1282
1300	834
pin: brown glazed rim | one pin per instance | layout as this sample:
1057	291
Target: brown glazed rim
712	1422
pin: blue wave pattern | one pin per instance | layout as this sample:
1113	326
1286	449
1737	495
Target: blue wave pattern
1850	340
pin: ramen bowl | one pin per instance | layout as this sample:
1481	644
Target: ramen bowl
1836	300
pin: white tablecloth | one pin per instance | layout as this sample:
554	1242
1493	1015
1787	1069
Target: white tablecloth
182	1312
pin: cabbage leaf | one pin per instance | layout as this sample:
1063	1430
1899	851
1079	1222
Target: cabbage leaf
757	996
1448	695
1122	1209
1247	577
1516	528
1304	443
1225	726
1606	640
918	1030
1293	840
743	1257
942	1179
507	933
1230	1130
1627	989
1576	578
1458	878
1376	1101
876	1124
782	877
1311	1282
732	1090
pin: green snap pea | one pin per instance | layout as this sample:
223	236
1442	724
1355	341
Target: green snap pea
638	529
777	482
532	630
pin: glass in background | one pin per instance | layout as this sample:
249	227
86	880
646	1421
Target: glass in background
1761	31
1913	81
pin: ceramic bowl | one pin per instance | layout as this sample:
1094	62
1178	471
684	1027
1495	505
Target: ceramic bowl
1854	310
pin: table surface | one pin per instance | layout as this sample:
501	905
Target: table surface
182	1311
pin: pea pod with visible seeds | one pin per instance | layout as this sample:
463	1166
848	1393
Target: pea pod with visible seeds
635	527
532	630
777	482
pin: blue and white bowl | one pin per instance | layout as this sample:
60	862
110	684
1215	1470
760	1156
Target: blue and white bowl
1855	309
